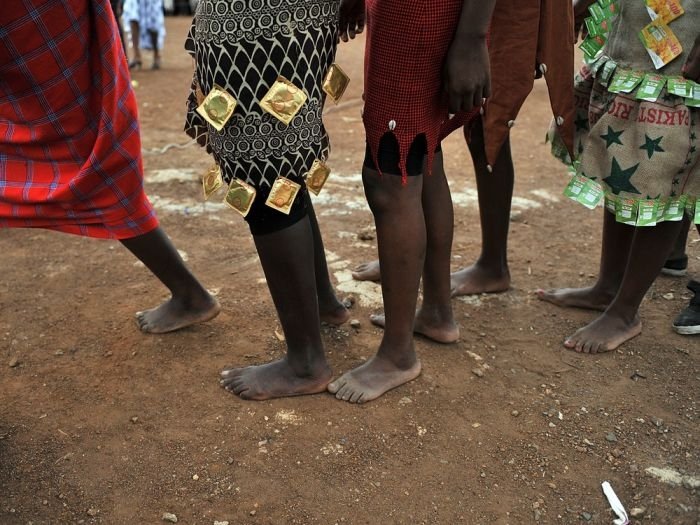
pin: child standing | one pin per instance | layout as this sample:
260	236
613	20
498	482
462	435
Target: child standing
260	66
637	144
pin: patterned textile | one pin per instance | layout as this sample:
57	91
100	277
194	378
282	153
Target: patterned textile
70	151
407	42
149	14
242	46
638	150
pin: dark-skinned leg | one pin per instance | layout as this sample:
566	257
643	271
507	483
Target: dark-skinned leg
401	239
620	322
135	43
154	45
489	274
435	318
677	263
190	302
331	310
617	240
285	257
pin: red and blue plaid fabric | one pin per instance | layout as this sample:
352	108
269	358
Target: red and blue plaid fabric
70	150
407	43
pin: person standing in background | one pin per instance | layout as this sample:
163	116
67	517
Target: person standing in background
146	21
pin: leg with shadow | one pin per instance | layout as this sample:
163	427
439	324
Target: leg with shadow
190	302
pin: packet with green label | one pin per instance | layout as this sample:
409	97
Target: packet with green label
679	86
626	211
651	87
607	72
697	212
647	212
592	46
591	194
661	210
625	81
611	203
675	209
575	187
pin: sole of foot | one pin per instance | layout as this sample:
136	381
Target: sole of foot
172	315
273	380
372	379
445	334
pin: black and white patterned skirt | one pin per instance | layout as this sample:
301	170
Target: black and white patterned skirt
243	46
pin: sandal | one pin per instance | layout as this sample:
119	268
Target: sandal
676	267
688	321
135	64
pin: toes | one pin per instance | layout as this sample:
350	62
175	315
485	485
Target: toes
355	397
335	386
570	344
340	394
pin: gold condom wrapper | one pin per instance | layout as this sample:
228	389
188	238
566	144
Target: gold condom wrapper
335	83
240	196
217	107
284	100
282	194
317	177
212	181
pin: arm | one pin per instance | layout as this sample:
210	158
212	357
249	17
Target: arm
467	75
691	68
352	19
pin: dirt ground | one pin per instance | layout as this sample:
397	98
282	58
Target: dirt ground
101	424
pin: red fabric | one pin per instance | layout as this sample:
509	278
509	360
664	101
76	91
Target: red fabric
70	151
407	43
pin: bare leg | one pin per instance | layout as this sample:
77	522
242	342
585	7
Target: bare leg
490	273
617	239
677	263
401	239
291	278
154	45
435	318
190	302
135	43
620	322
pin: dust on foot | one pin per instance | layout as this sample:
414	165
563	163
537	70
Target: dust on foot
604	334
335	315
273	380
438	330
585	298
372	379
176	314
475	280
367	272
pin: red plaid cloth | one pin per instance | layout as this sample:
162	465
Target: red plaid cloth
407	43
70	151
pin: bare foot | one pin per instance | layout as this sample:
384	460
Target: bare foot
432	327
175	314
367	272
334	314
586	298
604	334
372	379
276	379
475	280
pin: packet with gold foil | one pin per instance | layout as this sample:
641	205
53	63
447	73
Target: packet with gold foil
217	107
666	10
282	194
317	176
240	196
336	82
212	181
661	43
284	100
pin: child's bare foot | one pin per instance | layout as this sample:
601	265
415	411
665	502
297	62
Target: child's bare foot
372	379
367	272
587	298
475	279
273	380
604	334
433	327
177	313
334	313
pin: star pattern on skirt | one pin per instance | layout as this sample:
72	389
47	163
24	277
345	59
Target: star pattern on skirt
619	179
652	145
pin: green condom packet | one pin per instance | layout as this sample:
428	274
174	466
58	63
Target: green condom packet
675	209
575	187
680	87
607	72
625	81
697	212
693	101
626	211
584	191
661	209
647	212
651	87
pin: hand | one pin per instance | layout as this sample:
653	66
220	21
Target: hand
352	19
580	14
467	74
691	68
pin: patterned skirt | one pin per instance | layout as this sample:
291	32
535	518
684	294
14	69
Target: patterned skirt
70	151
243	46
